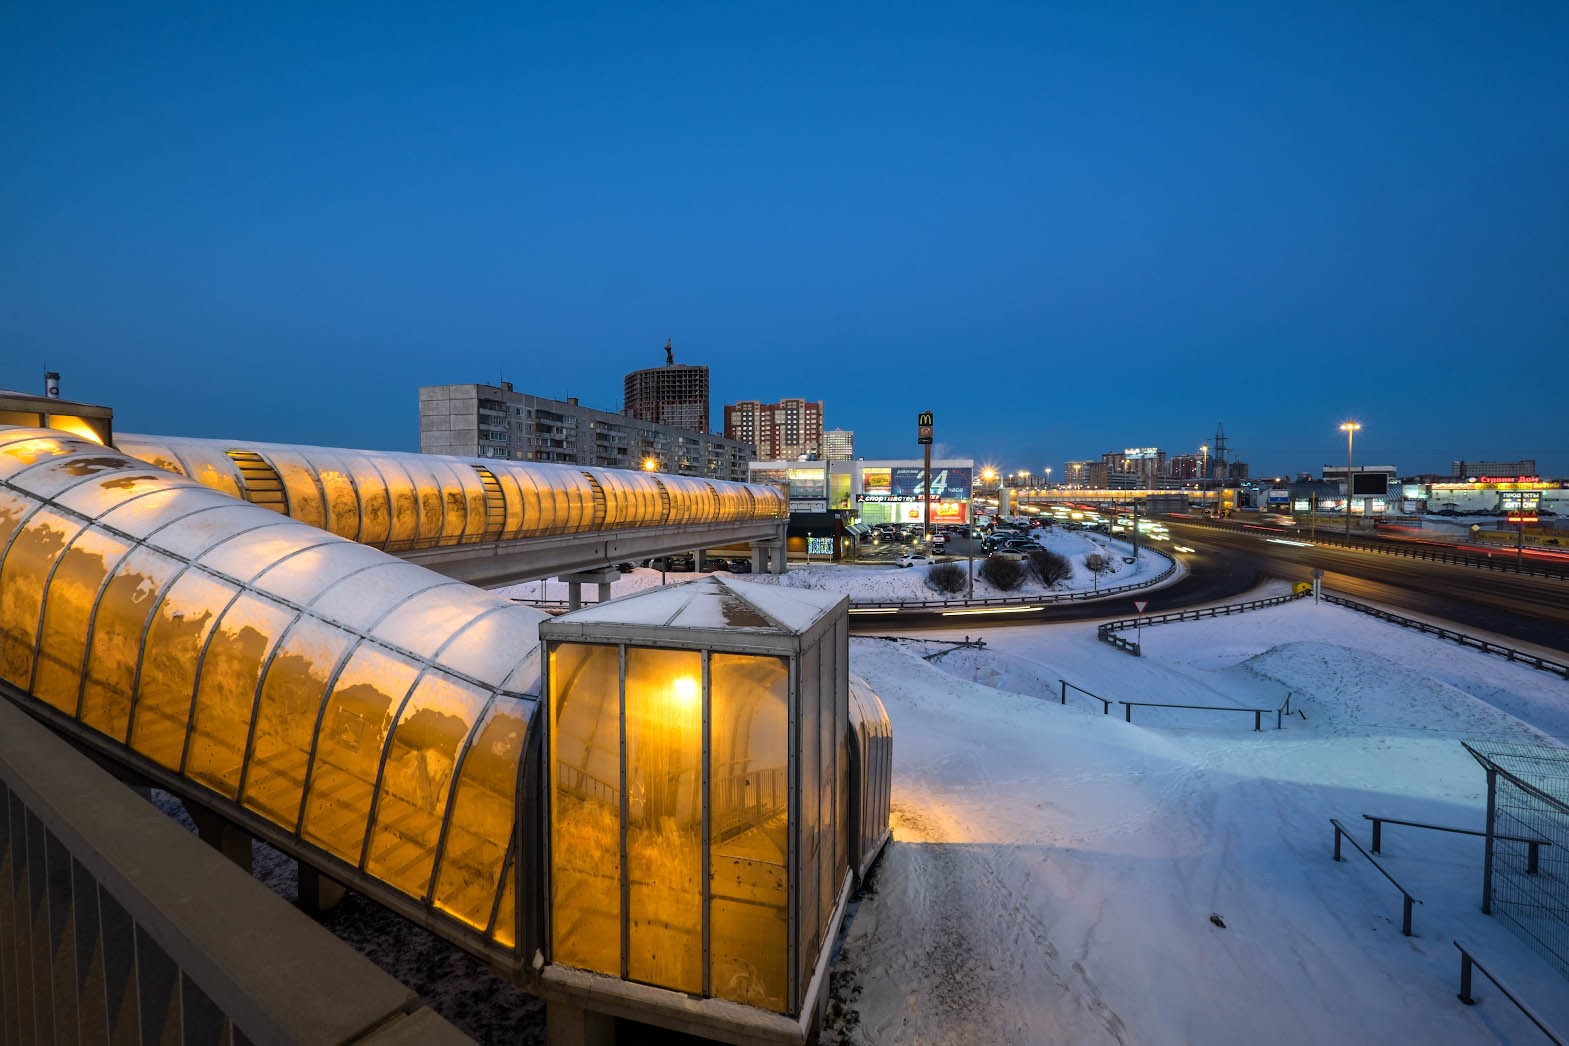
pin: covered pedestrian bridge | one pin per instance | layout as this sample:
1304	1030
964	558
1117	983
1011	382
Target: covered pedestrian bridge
386	726
484	521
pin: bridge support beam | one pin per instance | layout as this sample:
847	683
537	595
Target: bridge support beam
700	560
575	583
569	1025
318	894
222	835
769	556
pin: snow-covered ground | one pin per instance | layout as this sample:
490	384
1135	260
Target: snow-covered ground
891	583
1056	869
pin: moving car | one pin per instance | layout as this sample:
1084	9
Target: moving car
913	559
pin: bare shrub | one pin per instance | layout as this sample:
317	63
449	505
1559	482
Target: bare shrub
947	578
1005	575
1049	567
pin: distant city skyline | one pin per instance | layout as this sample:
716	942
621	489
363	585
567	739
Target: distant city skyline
1062	232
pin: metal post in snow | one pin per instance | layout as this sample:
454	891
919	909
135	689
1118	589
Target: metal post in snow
1487	853
969	540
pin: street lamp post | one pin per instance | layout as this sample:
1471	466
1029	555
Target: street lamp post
1204	475
1048	477
1350	428
969	541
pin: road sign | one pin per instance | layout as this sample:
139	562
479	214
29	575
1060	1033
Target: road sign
1141	604
923	428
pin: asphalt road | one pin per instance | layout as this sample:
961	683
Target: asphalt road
1533	610
1226	564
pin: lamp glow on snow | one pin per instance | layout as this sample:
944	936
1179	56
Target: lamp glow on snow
707	802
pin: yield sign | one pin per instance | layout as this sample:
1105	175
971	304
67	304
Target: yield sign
1141	604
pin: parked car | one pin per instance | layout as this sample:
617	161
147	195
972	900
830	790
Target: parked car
740	566
672	563
913	559
626	568
1009	553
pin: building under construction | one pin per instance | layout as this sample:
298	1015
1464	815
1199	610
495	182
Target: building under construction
675	394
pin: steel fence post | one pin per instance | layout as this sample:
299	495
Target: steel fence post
1487	855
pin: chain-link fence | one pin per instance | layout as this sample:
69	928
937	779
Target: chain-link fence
1526	870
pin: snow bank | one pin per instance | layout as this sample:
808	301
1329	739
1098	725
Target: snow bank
1055	870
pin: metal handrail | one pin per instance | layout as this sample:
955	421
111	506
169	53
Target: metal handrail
1405	920
1373	544
1544	663
1224	610
1106	702
1467	960
1258	713
1533	862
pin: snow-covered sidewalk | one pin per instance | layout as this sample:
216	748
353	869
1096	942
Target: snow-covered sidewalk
889	583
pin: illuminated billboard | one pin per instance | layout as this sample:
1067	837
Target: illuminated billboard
809	483
903	483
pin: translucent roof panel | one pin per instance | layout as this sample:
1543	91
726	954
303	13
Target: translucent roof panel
363	598
161	506
716	603
713	606
268	664
405	501
195	532
305	575
423	623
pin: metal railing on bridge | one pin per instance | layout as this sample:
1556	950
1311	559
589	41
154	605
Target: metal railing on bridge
1504	560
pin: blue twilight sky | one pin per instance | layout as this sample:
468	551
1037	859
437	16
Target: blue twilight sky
1065	229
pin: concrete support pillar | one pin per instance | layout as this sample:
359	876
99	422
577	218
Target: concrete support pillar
700	560
222	835
575	582
568	1025
780	566
759	558
318	893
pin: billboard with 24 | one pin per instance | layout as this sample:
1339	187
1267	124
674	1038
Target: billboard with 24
903	483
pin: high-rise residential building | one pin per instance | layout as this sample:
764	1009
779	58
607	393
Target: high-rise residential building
1134	468
1185	466
791	428
487	421
675	394
838	444
1076	473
